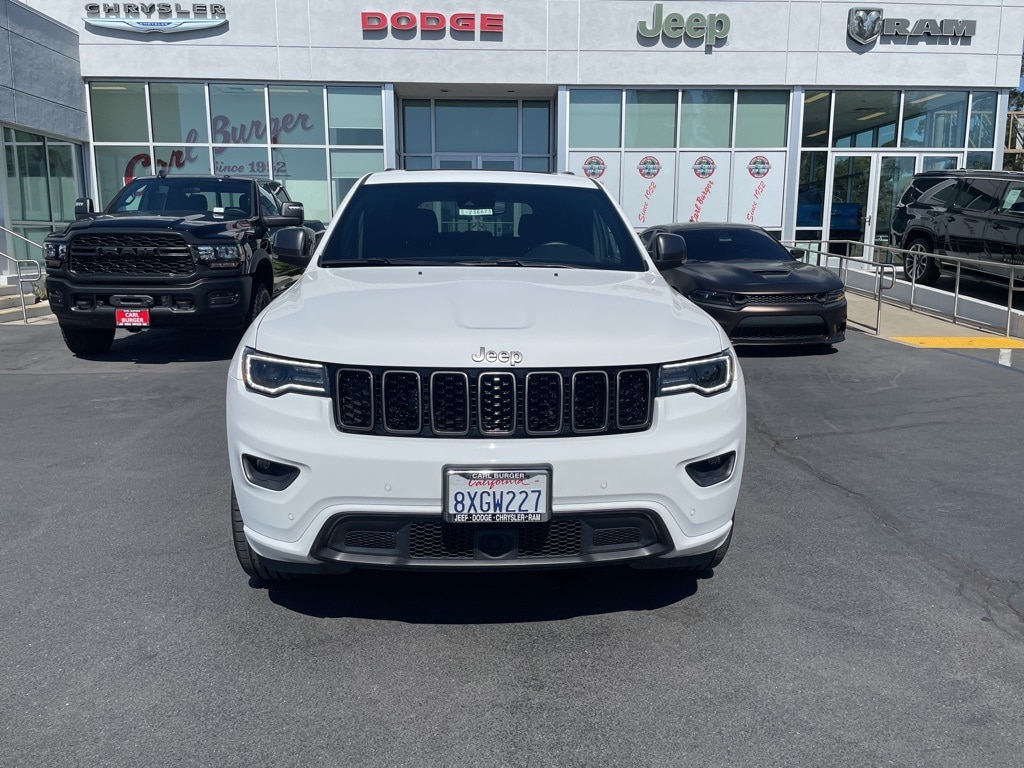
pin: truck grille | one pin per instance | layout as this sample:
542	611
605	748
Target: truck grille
493	404
128	253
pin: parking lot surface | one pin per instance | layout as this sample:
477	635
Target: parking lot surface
869	612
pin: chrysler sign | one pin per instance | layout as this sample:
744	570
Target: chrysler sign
155	17
865	25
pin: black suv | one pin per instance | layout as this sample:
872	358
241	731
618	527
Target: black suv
971	214
171	252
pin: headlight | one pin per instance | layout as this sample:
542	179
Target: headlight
273	376
220	255
831	297
706	376
713	297
56	253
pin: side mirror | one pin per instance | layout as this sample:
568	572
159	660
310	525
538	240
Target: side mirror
668	250
798	253
84	208
292	246
292	215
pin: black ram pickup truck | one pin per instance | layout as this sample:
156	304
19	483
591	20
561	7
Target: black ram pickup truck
172	252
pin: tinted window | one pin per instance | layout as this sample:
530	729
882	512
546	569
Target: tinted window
732	244
463	222
978	194
1013	197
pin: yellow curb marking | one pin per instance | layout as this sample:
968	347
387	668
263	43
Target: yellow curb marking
962	342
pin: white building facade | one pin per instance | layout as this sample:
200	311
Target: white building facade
805	117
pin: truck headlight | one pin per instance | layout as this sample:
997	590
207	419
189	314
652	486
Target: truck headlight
56	254
706	376
220	255
274	376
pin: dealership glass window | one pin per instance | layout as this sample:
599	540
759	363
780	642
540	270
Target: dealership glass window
982	130
761	118
182	159
304	174
650	119
536	128
62	179
296	114
117	163
241	161
416	130
817	113
980	160
417	163
179	112
31	180
865	118
476	126
934	118
354	116
238	114
705	120
595	118
348	165
119	112
537	164
810	207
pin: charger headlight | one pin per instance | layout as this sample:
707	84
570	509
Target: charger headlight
723	298
705	376
220	255
274	376
831	297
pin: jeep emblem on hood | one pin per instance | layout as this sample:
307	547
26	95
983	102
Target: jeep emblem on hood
513	357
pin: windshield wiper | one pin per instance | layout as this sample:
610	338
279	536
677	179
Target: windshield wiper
513	263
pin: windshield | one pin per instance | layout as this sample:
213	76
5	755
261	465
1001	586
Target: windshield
184	197
482	224
732	244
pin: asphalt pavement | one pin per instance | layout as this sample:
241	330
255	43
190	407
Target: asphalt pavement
869	612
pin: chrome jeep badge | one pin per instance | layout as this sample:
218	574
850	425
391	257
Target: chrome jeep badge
864	24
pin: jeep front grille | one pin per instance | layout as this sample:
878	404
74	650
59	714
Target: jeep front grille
493	404
130	253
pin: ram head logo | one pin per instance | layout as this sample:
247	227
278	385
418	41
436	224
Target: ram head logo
865	24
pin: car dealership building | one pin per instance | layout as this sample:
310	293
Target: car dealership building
760	111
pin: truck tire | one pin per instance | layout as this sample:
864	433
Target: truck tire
85	342
253	565
260	300
925	267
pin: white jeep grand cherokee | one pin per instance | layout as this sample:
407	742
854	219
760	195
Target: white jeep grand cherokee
482	370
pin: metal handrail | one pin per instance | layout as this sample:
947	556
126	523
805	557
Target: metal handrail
25	268
885	274
1016	276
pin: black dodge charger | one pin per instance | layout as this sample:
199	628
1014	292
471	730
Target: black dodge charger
753	286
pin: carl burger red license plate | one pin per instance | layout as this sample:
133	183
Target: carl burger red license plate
131	318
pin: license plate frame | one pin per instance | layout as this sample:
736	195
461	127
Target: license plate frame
131	317
523	493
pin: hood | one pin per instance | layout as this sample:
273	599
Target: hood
756	276
197	224
444	316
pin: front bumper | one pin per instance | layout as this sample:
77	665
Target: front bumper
376	501
765	324
214	302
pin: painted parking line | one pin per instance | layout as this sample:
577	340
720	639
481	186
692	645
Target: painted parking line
962	342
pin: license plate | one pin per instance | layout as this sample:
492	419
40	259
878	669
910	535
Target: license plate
131	318
497	495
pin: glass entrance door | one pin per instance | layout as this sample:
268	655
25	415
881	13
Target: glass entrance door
865	190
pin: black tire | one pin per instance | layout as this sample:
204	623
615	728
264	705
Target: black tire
253	565
85	342
260	300
925	267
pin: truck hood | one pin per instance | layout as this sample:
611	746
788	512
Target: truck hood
433	317
198	225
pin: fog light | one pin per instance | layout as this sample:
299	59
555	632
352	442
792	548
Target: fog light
268	474
711	471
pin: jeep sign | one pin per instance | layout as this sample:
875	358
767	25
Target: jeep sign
710	28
